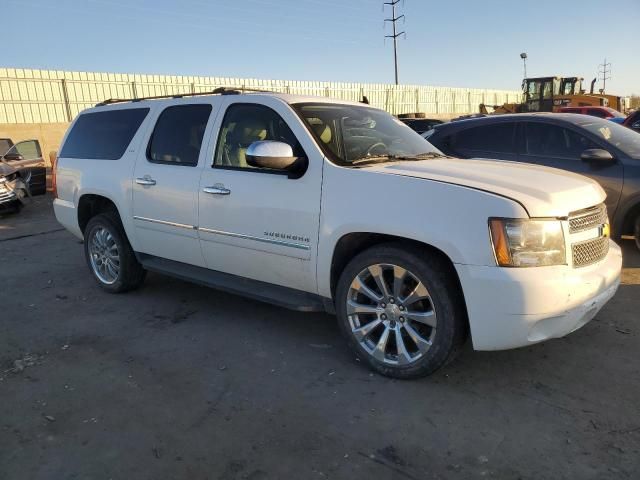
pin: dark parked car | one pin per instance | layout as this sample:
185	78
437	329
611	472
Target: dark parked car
633	121
605	151
421	125
22	172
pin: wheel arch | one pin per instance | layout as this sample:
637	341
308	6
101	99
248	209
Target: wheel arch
351	244
630	212
92	204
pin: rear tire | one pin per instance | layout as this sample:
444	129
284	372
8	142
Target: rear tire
637	232
109	255
410	325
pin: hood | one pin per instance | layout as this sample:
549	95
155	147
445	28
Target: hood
6	169
543	191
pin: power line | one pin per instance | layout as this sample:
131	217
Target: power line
396	34
604	72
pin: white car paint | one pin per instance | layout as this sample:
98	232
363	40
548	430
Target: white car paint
445	203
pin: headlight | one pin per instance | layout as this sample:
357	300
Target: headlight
527	243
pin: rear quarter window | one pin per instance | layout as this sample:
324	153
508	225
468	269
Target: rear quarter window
103	135
486	138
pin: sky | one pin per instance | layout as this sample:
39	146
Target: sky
455	43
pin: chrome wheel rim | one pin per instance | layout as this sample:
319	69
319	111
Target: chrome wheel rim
391	314
104	255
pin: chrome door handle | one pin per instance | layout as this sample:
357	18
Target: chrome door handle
146	180
217	190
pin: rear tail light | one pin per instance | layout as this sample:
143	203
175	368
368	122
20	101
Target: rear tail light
53	158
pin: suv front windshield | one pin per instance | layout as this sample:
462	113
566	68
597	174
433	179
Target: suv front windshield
352	135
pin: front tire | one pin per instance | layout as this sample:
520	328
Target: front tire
637	232
401	310
110	256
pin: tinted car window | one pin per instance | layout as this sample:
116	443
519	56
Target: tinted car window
177	136
244	124
594	112
421	125
544	139
103	135
486	138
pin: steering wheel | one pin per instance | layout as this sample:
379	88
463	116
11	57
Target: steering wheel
377	144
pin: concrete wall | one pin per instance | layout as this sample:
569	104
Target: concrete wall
48	134
47	96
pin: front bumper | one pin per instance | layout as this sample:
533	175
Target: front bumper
7	196
515	307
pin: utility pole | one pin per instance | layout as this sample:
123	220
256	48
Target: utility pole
396	34
604	71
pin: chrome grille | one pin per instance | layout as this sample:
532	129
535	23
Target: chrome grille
586	219
590	251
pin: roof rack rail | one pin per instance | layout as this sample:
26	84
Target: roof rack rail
217	91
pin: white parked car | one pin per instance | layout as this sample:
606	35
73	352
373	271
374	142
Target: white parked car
317	204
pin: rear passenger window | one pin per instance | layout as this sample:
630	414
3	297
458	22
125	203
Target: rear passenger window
103	135
177	137
486	138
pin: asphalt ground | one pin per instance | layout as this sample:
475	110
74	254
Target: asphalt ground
177	381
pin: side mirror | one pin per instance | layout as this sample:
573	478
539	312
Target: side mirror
270	154
597	155
13	157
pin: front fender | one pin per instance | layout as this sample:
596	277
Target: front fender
451	218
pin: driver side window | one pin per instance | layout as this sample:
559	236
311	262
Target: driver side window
244	124
26	150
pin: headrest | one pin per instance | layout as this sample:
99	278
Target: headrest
249	131
323	131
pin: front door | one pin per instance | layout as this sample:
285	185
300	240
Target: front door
254	222
165	184
560	147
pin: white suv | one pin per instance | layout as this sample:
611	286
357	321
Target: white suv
321	205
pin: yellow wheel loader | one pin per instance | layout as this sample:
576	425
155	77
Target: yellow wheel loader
549	94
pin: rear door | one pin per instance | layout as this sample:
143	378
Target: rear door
166	179
561	147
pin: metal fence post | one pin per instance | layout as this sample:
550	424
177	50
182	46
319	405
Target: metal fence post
417	100
134	90
65	96
436	101
469	101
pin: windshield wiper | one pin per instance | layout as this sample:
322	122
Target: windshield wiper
396	158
